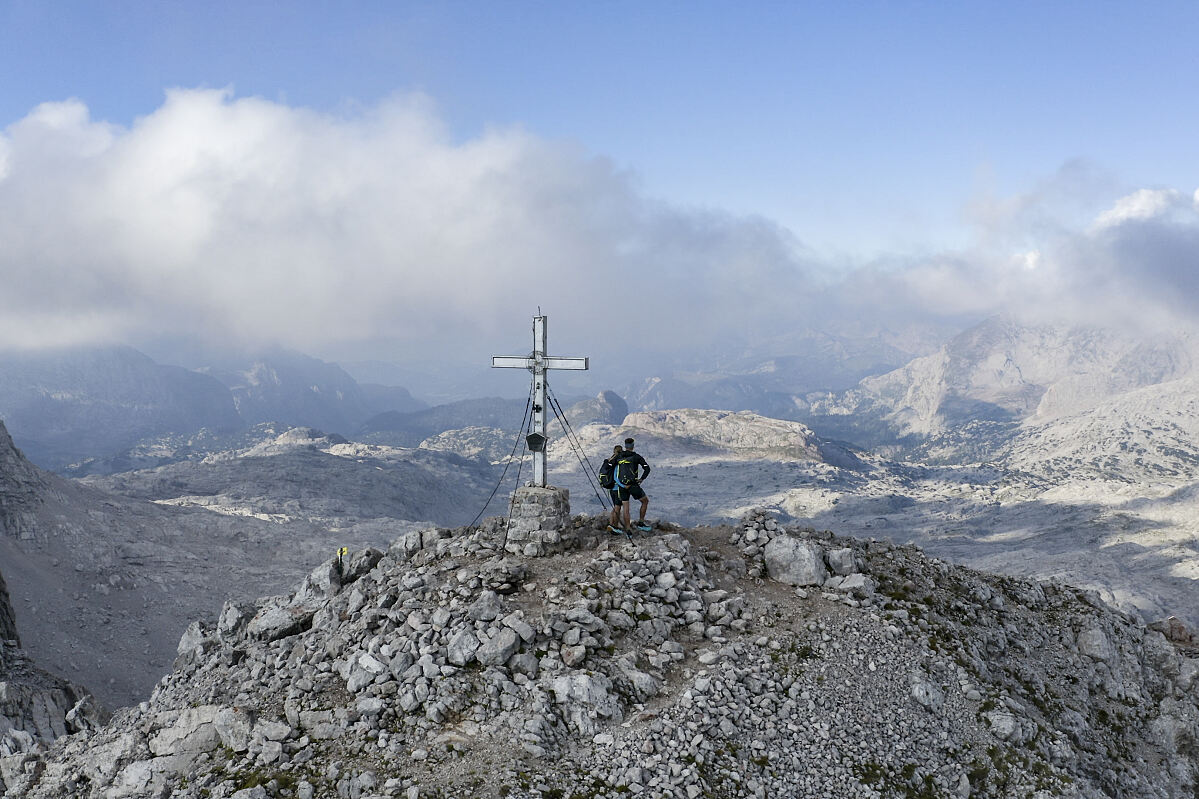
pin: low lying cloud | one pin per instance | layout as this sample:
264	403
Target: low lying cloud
245	221
1133	265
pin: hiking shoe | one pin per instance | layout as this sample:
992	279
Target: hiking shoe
616	530
643	527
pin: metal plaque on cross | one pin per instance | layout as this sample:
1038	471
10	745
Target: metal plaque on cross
538	362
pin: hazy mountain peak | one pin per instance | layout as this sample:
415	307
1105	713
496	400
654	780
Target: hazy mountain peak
728	430
607	407
67	405
293	388
295	438
1001	370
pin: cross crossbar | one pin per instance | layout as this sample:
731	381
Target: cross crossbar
529	362
538	362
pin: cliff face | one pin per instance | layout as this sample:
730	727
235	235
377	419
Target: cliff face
35	707
751	661
21	489
8	621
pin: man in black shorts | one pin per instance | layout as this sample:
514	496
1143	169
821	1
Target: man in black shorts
629	484
608	470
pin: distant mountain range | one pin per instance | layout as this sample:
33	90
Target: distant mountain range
66	405
103	410
106	410
987	381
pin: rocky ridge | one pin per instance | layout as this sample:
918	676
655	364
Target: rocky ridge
754	660
691	436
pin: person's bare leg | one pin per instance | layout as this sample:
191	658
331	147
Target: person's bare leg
644	507
628	524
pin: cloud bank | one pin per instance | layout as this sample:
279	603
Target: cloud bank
245	221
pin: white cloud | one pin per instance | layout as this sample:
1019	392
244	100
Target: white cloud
1141	204
255	221
249	221
1038	257
1029	260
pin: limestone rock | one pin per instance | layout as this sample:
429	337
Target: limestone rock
841	561
794	562
279	618
462	647
498	648
1093	642
487	607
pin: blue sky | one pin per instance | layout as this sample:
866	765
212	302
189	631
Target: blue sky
945	139
860	126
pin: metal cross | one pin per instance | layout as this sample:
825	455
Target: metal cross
538	362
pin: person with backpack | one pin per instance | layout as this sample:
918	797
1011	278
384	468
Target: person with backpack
629	484
607	480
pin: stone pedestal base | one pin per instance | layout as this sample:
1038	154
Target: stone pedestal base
539	521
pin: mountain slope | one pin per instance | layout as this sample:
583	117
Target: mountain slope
294	389
1147	435
409	429
8	620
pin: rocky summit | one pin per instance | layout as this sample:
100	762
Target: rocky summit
742	661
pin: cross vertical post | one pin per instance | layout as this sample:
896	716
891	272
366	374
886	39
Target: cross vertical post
538	362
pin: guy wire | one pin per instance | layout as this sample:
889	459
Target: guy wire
524	420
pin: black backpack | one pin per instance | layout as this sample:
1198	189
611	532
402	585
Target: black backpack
606	480
626	472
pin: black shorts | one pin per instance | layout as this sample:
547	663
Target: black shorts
635	491
614	495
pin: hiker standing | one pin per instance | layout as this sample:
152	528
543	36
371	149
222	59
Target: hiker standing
607	480
629	483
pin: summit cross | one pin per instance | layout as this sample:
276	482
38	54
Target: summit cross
538	363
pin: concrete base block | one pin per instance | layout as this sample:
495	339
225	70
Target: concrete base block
539	521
